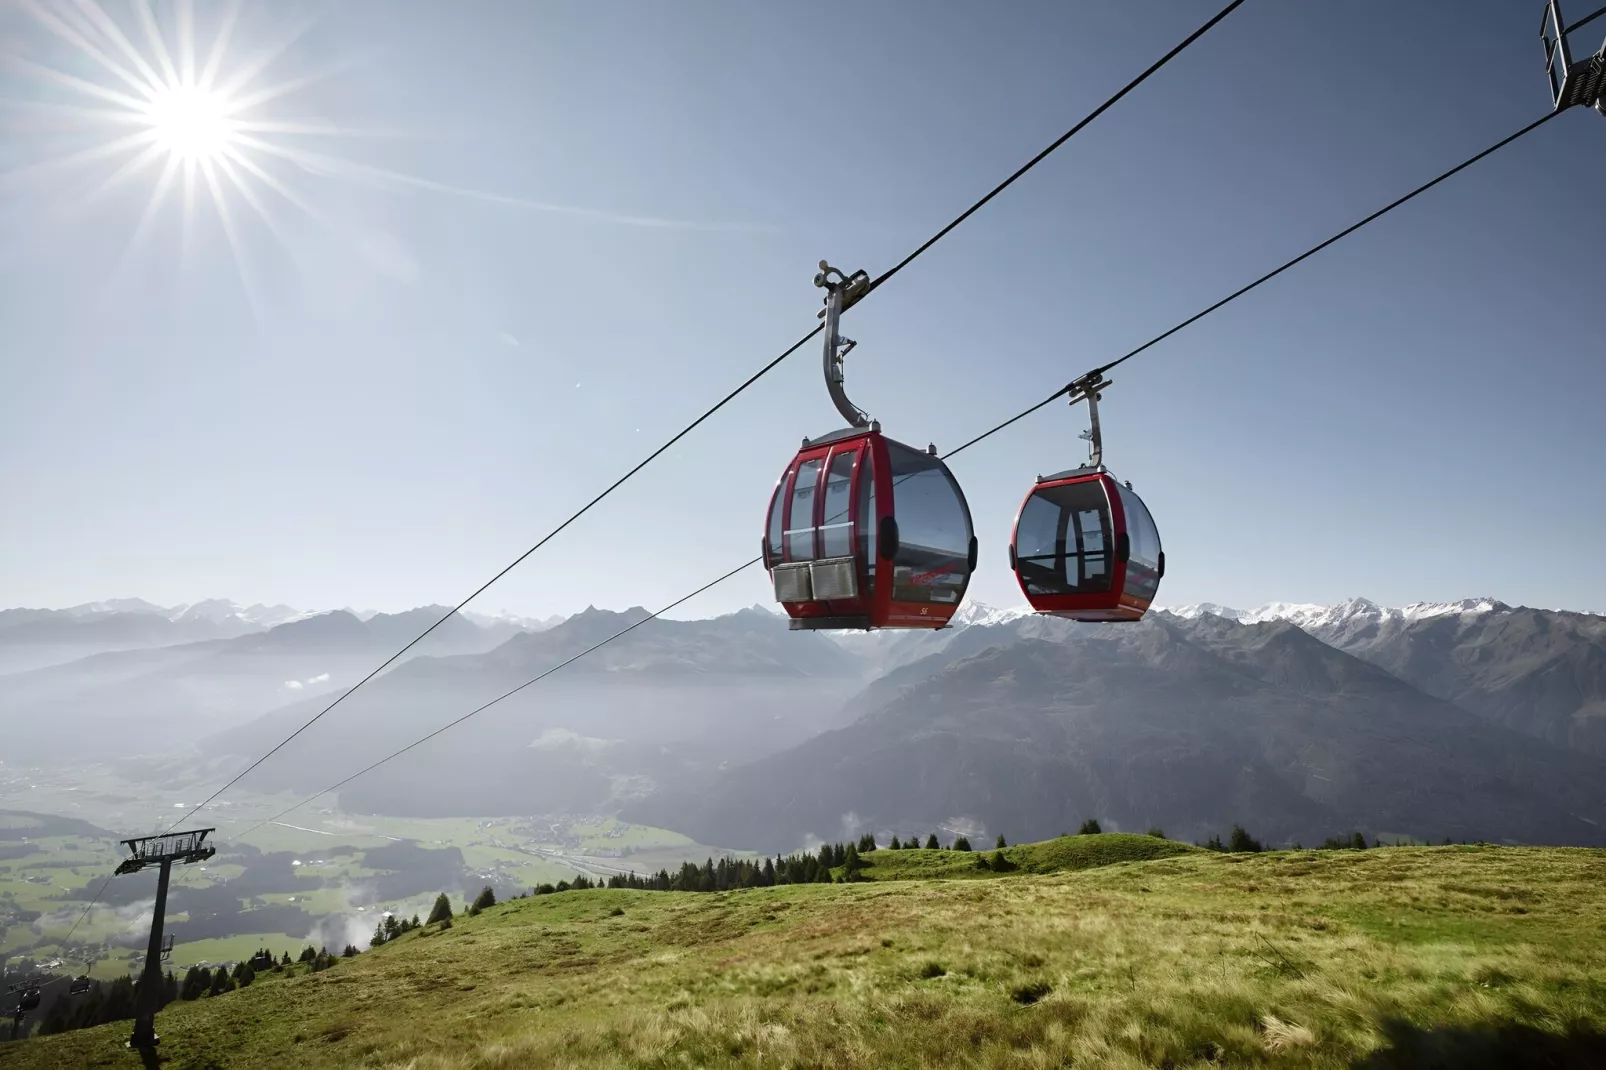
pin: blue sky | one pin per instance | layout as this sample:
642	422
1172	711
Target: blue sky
424	380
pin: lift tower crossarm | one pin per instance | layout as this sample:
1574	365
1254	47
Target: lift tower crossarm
1580	82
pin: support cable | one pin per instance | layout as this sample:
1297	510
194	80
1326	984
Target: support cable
950	454
884	277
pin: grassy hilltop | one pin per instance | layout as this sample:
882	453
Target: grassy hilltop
1397	957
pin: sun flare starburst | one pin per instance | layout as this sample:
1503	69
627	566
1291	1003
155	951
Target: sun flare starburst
123	97
142	99
191	124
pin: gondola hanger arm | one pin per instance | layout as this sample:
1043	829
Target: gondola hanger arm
1089	388
842	292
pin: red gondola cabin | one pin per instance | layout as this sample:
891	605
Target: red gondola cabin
865	532
1085	547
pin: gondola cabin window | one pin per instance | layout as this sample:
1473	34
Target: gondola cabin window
865	550
800	521
836	528
774	530
1061	545
1143	561
932	560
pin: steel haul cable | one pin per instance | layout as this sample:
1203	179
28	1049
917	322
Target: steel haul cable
1268	276
766	369
1241	291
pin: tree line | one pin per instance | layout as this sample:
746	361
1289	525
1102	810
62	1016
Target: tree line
801	867
113	1001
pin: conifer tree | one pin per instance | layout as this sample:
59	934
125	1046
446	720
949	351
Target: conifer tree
442	910
1000	844
1241	841
962	844
931	842
195	983
894	845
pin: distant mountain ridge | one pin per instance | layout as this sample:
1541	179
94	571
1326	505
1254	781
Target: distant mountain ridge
1472	717
37	638
1191	724
219	610
1540	672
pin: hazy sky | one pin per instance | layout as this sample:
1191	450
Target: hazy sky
391	387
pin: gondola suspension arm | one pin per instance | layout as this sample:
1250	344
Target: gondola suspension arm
841	294
1089	388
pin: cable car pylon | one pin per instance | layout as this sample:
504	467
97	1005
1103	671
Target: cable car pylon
1580	82
160	851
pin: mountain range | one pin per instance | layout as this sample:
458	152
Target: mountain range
1031	725
37	638
1471	719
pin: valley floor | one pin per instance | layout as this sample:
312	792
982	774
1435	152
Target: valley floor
1395	957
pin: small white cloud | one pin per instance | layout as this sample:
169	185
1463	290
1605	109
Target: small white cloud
507	339
294	685
320	678
577	386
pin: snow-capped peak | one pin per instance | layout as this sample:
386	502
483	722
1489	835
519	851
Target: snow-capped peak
1203	609
980	613
529	624
1419	610
1311	615
220	610
116	605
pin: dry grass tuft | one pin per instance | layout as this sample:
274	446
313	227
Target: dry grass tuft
1278	1035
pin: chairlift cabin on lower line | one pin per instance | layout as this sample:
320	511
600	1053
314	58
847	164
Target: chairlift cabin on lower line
864	532
1084	545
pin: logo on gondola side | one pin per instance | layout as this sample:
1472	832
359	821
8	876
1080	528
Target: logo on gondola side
926	579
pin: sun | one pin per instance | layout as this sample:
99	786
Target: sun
191	124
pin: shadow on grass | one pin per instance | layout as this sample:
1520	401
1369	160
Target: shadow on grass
1508	1047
